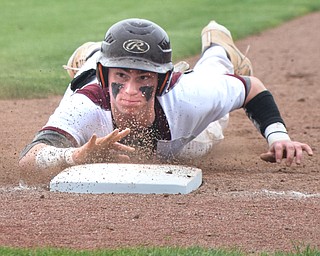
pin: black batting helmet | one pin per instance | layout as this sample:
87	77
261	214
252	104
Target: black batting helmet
136	44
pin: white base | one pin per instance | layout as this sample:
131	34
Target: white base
127	178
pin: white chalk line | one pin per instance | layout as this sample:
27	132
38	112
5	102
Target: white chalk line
276	194
21	187
261	193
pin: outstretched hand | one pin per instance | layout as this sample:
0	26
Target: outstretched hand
105	149
292	151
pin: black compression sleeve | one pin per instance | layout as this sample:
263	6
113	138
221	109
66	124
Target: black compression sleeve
263	111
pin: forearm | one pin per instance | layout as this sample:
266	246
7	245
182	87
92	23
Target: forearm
256	87
263	111
43	156
106	149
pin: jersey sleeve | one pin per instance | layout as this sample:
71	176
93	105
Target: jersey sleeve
49	137
80	118
200	98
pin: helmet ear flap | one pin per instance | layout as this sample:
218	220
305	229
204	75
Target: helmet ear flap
163	83
102	75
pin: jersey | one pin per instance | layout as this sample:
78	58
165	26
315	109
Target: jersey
194	102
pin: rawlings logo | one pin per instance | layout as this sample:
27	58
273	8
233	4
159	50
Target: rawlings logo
136	46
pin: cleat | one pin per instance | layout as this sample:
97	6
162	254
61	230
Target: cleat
80	56
215	33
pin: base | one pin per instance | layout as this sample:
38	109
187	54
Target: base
127	178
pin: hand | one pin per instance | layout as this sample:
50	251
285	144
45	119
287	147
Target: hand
286	149
103	149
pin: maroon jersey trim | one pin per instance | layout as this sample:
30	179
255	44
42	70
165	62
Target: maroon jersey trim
62	132
97	95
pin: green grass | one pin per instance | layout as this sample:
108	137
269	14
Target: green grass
121	252
37	37
163	251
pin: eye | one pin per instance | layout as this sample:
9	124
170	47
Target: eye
146	77
121	75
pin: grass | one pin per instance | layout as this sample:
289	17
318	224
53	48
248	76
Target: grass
121	252
163	251
37	37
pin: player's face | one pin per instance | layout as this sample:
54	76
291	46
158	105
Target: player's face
132	91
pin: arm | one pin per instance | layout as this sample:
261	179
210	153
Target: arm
263	111
105	149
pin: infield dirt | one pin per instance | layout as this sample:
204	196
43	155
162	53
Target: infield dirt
243	202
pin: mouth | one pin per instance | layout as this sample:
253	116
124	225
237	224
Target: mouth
129	102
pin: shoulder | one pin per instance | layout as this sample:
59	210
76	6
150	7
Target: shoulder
173	82
96	94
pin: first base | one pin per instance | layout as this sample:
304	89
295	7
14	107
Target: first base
127	178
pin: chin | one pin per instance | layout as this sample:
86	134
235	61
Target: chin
130	112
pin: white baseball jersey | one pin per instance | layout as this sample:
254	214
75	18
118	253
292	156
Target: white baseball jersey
194	103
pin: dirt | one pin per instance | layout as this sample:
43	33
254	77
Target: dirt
243	202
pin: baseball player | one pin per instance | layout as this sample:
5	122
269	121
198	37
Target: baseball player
127	102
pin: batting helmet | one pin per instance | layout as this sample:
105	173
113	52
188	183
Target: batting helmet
136	44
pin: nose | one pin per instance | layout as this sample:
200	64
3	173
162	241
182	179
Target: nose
131	88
